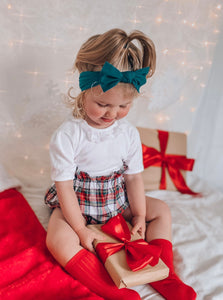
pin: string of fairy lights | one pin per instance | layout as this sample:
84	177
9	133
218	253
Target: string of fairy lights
167	52
214	14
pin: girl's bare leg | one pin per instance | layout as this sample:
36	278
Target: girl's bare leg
158	218
83	265
62	241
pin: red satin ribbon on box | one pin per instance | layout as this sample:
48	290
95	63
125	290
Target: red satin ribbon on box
174	163
138	253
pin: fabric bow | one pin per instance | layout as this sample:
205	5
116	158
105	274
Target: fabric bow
138	253
174	163
109	77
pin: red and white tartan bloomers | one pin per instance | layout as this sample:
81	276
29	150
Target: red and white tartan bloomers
100	198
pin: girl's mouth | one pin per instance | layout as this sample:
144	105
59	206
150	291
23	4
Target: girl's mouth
107	120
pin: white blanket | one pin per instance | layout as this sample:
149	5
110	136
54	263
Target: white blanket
197	236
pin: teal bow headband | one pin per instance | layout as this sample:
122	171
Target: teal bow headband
109	77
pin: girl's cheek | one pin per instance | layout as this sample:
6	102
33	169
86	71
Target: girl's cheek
98	111
123	113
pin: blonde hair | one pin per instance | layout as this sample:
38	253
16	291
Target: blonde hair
117	48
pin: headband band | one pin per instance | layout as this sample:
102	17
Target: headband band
109	77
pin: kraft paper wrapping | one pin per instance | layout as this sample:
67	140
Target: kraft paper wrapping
177	144
119	270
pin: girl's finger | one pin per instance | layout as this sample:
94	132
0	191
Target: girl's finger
90	247
142	233
135	229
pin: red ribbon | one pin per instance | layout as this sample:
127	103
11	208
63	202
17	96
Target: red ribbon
174	163
138	253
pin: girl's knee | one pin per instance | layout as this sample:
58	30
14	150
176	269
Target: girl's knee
62	245
60	236
157	208
165	210
48	241
164	207
52	241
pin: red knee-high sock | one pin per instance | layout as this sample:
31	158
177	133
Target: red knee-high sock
171	288
89	270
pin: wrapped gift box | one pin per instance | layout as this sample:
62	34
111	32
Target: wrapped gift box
167	149
119	270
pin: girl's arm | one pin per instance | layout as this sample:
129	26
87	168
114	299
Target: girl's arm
72	213
137	201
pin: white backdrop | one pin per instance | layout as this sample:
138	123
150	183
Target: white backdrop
38	43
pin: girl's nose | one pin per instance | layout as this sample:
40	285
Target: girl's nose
111	113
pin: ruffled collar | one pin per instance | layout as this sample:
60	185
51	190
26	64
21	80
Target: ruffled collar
97	135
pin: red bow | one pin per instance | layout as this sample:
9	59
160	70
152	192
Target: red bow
174	163
138	253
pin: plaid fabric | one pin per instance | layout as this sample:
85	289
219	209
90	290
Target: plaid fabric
100	197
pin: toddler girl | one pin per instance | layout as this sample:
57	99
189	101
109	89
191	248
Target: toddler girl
96	159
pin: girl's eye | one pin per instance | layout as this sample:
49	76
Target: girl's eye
102	105
123	106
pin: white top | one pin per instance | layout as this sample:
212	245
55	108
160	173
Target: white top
95	151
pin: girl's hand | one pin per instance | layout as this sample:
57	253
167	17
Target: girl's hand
87	236
139	225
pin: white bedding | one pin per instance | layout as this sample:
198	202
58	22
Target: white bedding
197	235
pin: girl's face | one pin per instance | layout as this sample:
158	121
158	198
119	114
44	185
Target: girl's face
103	109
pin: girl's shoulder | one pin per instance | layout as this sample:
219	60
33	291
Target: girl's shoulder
70	125
70	129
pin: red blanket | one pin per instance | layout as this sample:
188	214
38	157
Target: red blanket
27	270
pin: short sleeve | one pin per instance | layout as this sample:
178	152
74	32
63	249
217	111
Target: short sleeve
62	157
135	159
